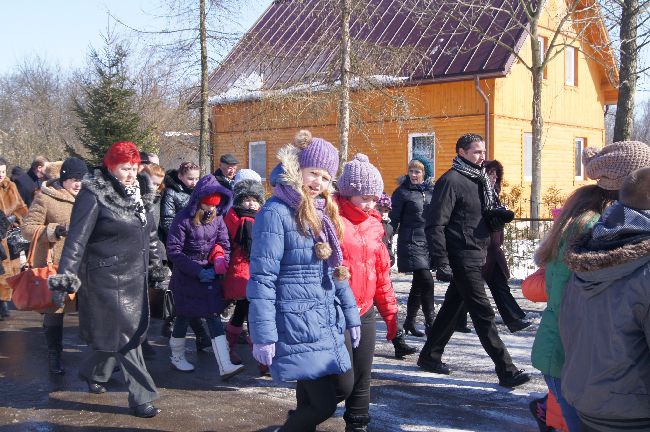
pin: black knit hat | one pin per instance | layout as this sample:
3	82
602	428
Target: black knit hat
73	168
248	188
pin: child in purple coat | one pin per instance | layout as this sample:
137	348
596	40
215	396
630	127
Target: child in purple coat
194	283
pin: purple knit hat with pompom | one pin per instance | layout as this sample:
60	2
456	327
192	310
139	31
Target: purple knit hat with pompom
316	153
360	177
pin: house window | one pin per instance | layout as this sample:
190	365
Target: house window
528	156
423	144
543	45
579	147
570	66
257	158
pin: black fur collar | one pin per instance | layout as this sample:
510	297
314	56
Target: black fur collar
110	192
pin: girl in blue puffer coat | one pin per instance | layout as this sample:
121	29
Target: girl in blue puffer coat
300	301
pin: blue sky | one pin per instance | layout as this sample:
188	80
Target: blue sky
62	31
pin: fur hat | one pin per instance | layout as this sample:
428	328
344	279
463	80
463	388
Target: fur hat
611	164
247	174
248	188
53	169
316	153
360	177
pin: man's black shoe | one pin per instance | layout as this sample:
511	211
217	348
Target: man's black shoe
93	387
146	410
518	378
517	325
433	366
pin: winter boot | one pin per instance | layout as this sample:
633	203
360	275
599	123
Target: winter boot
203	343
401	347
232	335
412	307
220	349
356	423
54	338
179	362
428	309
4	309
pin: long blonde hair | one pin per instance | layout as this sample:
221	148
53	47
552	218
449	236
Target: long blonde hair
582	205
307	216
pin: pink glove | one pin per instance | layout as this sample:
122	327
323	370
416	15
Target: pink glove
220	265
355	336
264	353
391	327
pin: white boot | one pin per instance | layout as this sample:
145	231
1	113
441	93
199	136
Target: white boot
179	362
221	353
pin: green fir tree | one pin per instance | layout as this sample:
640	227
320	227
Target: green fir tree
106	108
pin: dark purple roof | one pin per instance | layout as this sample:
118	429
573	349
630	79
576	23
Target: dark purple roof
296	43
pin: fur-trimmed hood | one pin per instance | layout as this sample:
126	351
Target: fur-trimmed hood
54	189
110	192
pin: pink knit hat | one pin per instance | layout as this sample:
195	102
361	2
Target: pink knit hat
360	177
611	164
316	153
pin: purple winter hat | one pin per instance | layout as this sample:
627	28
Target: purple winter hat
360	177
316	153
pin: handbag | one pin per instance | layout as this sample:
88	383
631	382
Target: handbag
169	310
16	243
30	290
534	286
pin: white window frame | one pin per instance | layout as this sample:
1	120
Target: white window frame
433	151
250	160
582	141
527	154
570	72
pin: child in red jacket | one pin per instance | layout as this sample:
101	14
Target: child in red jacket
248	198
366	256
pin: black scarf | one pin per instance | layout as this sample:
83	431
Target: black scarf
244	235
477	173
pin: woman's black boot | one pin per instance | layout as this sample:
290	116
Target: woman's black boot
54	337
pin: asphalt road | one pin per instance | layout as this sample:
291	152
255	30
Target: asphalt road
404	398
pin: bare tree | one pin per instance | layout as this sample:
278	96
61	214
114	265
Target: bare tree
189	37
629	24
502	23
35	111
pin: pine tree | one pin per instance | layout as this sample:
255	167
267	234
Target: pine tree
106	109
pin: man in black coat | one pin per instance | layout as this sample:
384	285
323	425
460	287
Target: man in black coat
458	228
31	181
227	169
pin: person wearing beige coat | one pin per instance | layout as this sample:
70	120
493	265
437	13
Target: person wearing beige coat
12	205
51	209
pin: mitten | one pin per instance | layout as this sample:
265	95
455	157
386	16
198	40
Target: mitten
220	265
207	275
60	231
264	353
355	336
391	327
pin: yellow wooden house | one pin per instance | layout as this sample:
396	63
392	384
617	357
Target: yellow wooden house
425	85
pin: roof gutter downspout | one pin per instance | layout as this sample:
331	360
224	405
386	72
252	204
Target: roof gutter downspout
487	115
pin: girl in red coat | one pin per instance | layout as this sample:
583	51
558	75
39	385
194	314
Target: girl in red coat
366	256
248	198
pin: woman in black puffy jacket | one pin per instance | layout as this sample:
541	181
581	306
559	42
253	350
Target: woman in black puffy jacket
410	202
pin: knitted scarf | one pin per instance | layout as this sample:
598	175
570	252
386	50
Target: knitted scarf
291	197
476	173
244	235
133	192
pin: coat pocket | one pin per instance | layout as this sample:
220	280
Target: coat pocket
300	321
340	316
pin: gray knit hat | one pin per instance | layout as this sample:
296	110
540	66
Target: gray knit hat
611	164
360	177
248	188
